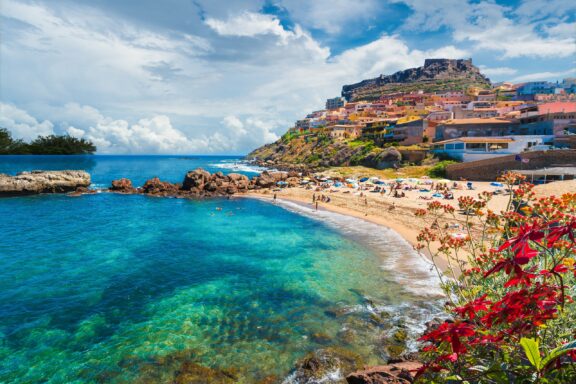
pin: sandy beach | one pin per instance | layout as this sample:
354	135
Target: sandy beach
398	214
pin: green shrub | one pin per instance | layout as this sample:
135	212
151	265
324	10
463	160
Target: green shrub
439	170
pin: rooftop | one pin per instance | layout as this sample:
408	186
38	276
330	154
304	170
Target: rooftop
490	140
490	120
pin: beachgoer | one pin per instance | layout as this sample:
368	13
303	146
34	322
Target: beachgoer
316	205
313	198
274	197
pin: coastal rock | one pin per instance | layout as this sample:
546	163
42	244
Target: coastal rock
397	373
122	185
157	187
196	179
265	180
192	373
326	365
28	183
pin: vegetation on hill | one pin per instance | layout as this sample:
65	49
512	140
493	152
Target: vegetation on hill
45	145
321	151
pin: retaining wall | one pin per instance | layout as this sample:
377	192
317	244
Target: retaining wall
490	169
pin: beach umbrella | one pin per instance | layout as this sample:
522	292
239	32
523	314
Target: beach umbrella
350	180
281	183
400	180
364	179
304	182
496	184
412	180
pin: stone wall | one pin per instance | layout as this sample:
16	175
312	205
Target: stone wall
490	169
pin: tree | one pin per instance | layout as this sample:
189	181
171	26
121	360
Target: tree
45	145
9	145
61	145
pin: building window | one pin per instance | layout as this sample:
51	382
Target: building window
476	147
459	146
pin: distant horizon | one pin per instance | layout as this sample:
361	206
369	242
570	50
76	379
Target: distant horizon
219	78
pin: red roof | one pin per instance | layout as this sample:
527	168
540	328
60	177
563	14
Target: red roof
559	106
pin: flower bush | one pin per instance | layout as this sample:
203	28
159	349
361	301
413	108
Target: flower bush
509	281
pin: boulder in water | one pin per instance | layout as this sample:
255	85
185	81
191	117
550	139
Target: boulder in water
29	183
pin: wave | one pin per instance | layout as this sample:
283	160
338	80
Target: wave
410	268
238	166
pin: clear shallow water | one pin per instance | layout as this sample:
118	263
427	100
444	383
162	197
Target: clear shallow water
113	288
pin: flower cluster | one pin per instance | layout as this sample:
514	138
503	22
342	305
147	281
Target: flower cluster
510	283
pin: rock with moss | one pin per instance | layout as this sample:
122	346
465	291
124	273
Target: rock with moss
328	365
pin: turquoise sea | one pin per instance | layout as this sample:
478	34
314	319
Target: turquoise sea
110	288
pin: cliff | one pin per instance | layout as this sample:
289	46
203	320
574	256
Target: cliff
435	75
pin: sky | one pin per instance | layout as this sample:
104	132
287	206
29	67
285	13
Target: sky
226	76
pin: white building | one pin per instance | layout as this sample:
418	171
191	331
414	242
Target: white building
479	148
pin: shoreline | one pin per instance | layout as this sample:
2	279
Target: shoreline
406	233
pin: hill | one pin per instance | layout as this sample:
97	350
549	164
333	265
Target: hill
435	75
320	151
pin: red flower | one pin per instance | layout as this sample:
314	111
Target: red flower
452	333
557	232
469	310
520	244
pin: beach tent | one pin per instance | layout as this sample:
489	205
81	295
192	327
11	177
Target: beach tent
338	184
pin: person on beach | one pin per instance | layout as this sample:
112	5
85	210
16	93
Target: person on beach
313	198
316	205
274	197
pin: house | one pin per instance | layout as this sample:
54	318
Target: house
345	131
408	131
335	103
479	148
452	129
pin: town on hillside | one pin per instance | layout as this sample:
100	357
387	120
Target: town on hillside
465	124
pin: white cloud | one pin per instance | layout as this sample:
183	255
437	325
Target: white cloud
75	132
541	76
331	16
21	124
488	26
497	71
248	24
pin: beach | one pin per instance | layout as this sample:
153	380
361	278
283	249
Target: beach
397	214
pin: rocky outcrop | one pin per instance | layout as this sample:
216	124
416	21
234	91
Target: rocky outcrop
314	154
35	182
397	373
122	185
435	75
200	183
325	365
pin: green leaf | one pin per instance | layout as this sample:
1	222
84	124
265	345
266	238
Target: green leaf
532	350
557	353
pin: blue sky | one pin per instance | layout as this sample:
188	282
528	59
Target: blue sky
217	76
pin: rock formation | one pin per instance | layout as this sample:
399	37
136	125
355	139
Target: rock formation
29	183
398	373
122	185
200	183
435	75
